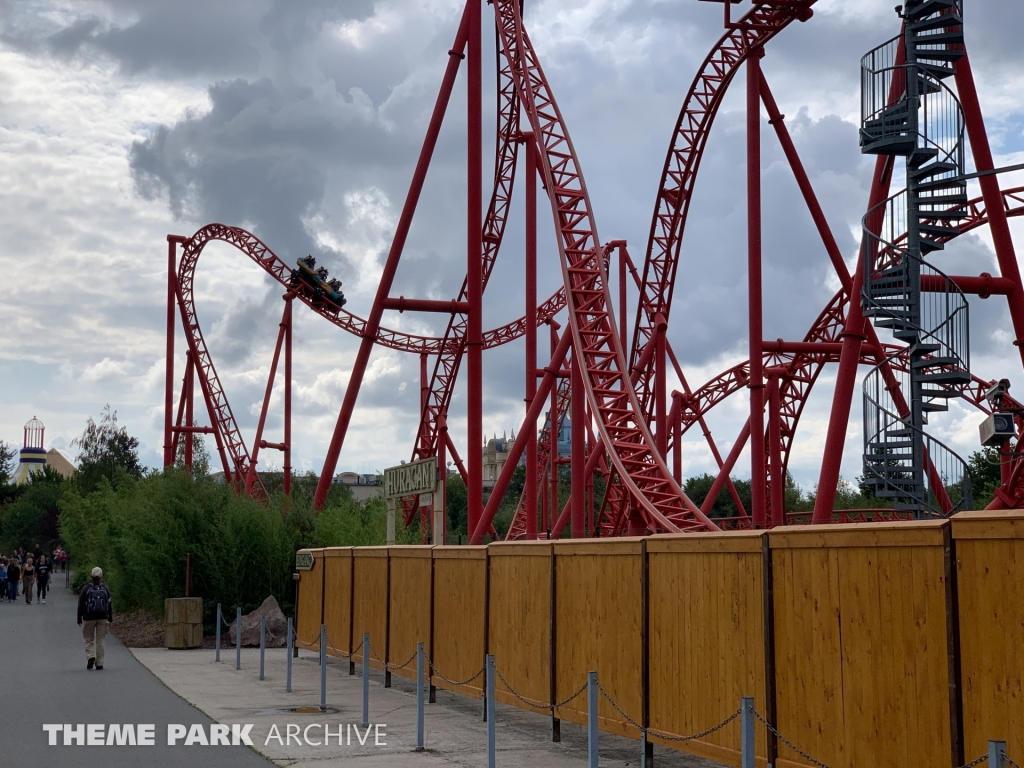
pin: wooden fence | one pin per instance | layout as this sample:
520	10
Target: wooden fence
878	644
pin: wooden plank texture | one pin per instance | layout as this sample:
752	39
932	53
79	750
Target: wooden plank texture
598	627
460	589
338	599
370	603
310	608
519	620
410	606
990	563
706	641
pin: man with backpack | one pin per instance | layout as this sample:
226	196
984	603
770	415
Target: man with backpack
95	612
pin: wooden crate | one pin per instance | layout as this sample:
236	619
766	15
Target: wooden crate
183	622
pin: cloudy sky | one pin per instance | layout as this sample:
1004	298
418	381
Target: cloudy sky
124	120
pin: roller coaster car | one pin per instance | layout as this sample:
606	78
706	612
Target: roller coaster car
316	282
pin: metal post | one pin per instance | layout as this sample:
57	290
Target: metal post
660	385
288	674
189	387
263	646
440	494
490	712
996	750
553	435
366	679
420	746
323	667
777	490
592	694
288	395
747	732
754	288
219	619
238	638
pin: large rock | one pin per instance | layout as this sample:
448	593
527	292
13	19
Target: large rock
277	626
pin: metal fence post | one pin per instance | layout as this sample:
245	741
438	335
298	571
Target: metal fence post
323	667
238	638
288	676
419	698
263	646
217	656
366	679
747	732
491	759
592	693
996	750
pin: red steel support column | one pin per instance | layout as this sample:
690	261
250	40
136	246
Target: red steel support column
554	435
190	379
756	384
474	271
660	387
391	266
778	488
172	280
589	476
530	491
676	423
288	394
442	487
281	333
578	406
726	470
1007	258
623	256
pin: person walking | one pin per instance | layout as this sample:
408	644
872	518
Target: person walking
13	576
3	579
42	578
28	579
95	612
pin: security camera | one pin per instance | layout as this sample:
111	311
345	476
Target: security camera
996	392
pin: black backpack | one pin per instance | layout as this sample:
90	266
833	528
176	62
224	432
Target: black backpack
97	601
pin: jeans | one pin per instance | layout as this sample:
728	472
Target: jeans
41	587
12	589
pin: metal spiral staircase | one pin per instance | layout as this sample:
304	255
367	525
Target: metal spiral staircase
908	111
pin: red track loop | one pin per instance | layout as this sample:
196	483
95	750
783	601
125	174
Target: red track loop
610	394
703	100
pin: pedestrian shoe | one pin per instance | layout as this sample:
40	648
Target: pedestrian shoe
98	667
92	662
44	601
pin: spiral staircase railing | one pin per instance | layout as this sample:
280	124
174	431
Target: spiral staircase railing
907	110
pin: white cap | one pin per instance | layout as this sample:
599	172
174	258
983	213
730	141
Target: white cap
97	572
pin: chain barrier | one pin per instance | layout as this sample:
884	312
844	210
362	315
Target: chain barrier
789	743
1008	760
467	681
976	761
643	730
392	667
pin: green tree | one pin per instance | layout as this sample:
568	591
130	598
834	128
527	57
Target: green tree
104	450
200	456
985	475
32	517
8	464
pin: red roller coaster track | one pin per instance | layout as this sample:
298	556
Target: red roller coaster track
627	425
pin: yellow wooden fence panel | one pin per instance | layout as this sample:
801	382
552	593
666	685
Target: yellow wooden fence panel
706	638
519	623
338	599
410	606
599	619
990	568
310	603
460	591
860	637
370	603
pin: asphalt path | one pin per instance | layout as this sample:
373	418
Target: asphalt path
43	679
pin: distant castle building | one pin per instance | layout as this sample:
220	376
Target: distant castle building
33	457
498	448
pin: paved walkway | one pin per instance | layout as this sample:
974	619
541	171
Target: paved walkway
43	680
455	734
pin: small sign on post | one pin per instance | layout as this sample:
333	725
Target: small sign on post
417	478
303	560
